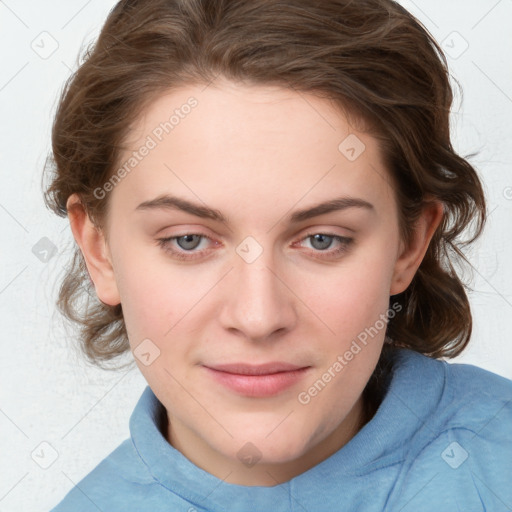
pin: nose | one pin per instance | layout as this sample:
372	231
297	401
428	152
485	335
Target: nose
258	303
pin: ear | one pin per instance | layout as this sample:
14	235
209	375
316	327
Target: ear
411	257
91	241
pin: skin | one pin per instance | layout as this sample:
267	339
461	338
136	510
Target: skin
257	154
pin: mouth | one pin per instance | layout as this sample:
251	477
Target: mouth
261	381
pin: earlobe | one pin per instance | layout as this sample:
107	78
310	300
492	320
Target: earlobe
95	251
412	256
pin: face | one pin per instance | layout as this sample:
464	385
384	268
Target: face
252	244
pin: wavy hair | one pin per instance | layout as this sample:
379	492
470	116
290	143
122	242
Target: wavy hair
372	58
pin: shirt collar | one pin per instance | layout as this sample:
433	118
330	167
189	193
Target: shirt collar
382	441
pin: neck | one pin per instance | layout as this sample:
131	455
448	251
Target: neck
231	470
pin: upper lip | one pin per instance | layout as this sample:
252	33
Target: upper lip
251	369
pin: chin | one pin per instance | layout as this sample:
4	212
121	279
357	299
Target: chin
274	448
279	454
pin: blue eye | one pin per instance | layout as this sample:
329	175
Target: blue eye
185	247
188	242
321	242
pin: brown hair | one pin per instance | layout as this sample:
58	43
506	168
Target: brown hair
371	58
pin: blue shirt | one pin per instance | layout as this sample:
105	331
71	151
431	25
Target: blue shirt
441	440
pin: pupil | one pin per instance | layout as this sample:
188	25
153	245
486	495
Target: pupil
188	241
324	241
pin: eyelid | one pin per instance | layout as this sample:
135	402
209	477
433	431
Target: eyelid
344	241
184	255
166	244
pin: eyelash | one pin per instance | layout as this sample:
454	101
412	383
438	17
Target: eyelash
165	244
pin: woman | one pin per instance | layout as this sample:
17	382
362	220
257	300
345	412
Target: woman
265	197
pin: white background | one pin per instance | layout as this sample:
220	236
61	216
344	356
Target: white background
47	393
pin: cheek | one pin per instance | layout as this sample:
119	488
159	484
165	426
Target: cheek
352	303
151	295
354	297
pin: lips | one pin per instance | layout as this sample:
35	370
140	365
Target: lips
261	381
262	369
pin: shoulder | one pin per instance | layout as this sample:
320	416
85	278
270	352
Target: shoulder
461	452
475	399
466	396
114	484
475	380
457	397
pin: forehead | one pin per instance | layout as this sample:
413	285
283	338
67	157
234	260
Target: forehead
247	142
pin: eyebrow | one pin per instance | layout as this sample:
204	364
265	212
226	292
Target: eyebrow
177	203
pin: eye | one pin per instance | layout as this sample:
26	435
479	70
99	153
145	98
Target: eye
188	246
188	242
322	242
183	246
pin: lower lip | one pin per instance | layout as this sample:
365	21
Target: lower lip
258	385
